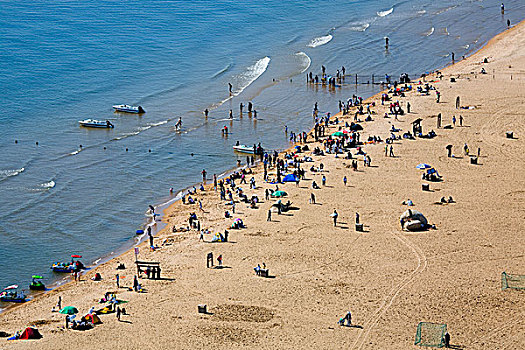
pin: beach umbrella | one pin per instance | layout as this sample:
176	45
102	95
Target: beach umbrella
69	310
423	166
13	286
237	220
338	133
279	194
37	276
139	232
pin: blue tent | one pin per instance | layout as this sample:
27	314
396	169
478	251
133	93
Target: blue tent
290	178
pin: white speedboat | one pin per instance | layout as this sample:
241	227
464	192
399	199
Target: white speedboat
129	109
248	149
92	123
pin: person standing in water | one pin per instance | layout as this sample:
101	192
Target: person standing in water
206	112
230	87
231	114
386	42
178	126
241	106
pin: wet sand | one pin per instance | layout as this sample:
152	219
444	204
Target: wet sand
390	279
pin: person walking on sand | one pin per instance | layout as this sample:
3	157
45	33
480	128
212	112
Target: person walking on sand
356	217
386	150
439	120
219	260
323	180
438	96
312	198
344	180
201	237
269	218
151	245
408	107
460	120
117	277
457	102
118	313
454	120
392	151
334	216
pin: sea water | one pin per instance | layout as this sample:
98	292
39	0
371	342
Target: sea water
65	61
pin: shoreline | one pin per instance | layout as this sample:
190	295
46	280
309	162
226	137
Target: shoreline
175	205
172	202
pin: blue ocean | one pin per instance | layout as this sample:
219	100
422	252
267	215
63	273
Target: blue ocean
68	190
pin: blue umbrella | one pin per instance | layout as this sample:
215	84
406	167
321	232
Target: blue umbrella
423	166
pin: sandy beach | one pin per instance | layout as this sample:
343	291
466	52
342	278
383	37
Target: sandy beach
388	278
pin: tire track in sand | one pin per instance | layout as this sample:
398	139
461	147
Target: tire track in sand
394	292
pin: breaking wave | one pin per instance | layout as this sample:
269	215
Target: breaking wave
222	71
4	174
322	40
385	13
360	28
429	32
306	59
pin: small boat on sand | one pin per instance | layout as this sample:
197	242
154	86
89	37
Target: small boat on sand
92	123
129	109
248	149
11	294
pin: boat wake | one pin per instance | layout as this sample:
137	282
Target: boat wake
322	40
4	174
429	32
306	60
385	13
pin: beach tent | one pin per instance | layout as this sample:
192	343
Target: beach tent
413	220
30	333
290	178
93	318
338	133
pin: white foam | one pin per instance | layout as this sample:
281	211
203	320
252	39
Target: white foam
307	60
322	40
466	46
421	12
250	75
4	174
385	13
75	152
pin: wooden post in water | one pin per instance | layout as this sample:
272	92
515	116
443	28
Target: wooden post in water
372	79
